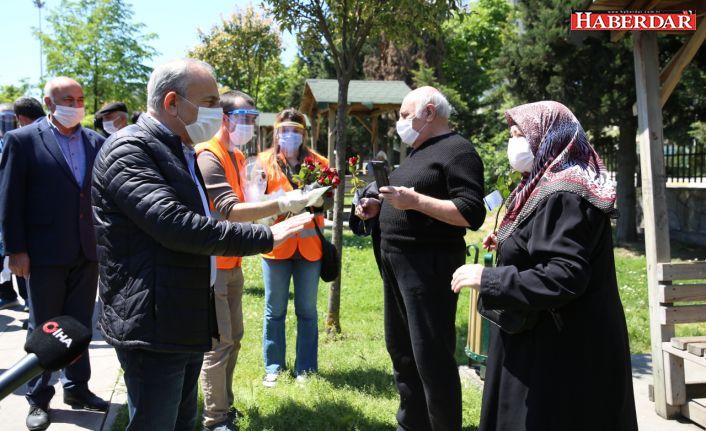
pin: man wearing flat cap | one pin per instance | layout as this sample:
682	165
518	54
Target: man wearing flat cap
111	118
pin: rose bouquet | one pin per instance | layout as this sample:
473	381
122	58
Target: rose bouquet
313	174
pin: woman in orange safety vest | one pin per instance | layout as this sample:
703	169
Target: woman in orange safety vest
299	258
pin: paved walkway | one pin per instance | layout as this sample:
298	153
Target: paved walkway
107	383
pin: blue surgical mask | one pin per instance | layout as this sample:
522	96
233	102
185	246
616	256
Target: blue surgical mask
290	143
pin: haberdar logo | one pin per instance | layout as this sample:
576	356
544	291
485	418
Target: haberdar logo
58	333
634	20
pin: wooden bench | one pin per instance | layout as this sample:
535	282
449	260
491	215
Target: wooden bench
679	303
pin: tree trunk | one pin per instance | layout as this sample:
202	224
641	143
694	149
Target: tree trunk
627	162
333	318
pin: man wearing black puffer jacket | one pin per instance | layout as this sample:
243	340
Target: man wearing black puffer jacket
156	245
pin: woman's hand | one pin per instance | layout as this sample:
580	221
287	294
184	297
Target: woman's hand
367	208
490	242
467	276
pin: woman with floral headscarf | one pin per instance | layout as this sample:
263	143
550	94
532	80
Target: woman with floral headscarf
567	366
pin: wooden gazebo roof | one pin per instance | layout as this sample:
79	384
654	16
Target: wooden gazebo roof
367	100
363	96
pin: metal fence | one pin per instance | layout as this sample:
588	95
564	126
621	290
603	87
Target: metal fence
682	163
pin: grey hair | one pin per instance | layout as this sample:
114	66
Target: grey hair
424	96
172	76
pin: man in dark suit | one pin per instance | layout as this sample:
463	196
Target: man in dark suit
47	224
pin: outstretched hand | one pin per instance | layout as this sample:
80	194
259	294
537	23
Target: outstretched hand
291	226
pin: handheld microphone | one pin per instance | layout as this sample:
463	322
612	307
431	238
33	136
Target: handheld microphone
52	346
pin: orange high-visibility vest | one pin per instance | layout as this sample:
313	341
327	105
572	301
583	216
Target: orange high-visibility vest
216	148
307	241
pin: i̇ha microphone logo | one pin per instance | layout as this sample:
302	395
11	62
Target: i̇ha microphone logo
634	20
58	333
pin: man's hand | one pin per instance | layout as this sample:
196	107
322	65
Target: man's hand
291	226
367	208
467	276
19	264
490	242
402	198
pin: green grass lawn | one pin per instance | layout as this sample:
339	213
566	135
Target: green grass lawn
354	389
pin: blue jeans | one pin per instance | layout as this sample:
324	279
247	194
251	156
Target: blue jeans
277	274
161	388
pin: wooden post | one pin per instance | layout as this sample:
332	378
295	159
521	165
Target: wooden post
650	141
374	134
331	133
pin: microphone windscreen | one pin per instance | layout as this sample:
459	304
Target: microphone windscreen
58	342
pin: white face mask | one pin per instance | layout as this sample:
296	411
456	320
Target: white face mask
109	127
242	134
290	143
406	131
208	121
68	116
519	153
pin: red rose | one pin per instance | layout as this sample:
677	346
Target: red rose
353	161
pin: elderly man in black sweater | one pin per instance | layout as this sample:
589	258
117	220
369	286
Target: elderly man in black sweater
433	197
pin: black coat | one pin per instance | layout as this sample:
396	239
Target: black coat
154	243
43	210
571	371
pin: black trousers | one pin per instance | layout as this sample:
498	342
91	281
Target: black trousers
55	291
420	333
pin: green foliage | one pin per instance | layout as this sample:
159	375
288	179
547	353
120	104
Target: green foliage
96	43
284	88
244	50
10	93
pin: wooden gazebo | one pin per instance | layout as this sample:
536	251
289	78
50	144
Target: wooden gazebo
367	100
672	395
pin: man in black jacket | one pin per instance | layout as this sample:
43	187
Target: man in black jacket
435	194
156	245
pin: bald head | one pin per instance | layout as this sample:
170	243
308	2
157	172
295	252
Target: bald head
428	111
60	85
64	91
418	99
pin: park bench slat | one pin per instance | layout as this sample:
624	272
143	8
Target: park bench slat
682	292
681	342
682	314
696	348
681	271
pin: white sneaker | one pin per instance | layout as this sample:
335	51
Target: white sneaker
270	380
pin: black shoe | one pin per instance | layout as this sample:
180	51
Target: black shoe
86	401
234	414
37	419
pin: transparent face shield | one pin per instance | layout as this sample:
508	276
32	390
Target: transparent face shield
242	130
289	137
